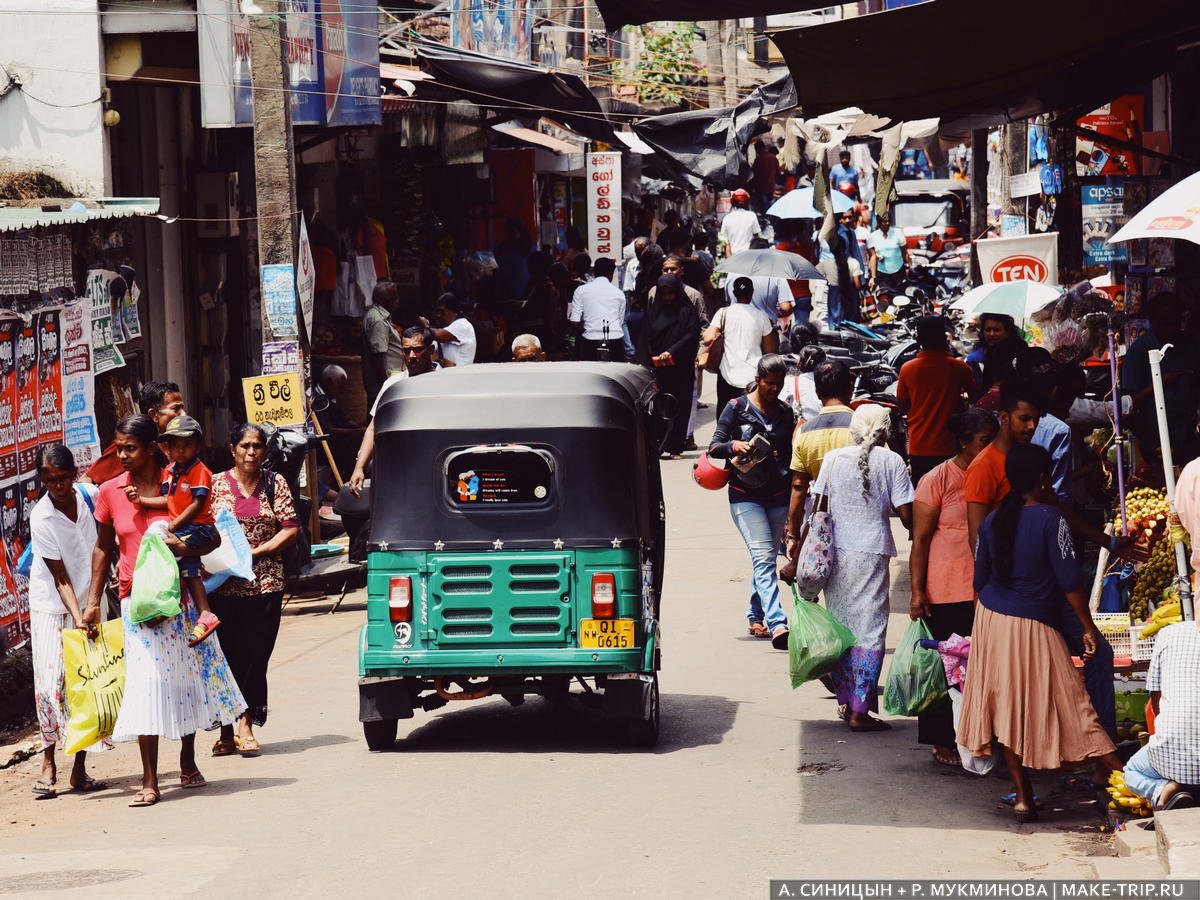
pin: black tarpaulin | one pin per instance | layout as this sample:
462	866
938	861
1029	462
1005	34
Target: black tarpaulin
522	90
638	12
710	144
976	64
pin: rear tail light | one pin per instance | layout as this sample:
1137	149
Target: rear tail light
400	598
604	596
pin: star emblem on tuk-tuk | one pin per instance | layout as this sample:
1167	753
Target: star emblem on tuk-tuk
498	544
558	543
439	546
616	542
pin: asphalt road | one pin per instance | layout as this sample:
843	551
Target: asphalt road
751	781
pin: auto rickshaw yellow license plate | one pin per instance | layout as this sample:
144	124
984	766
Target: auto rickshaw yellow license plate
606	634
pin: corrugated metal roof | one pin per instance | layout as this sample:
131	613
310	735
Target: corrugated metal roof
72	211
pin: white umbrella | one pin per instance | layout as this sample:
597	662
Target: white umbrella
798	204
1174	214
1019	299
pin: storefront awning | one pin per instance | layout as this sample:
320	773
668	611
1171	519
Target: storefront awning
537	138
46	213
979	64
710	144
514	87
638	12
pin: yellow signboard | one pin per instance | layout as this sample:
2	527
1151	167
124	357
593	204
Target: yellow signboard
278	399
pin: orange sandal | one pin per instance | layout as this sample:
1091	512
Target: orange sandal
759	630
205	626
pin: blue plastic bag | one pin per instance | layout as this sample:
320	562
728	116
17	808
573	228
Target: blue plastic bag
233	559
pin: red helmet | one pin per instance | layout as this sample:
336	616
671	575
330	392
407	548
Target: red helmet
707	475
847	188
740	197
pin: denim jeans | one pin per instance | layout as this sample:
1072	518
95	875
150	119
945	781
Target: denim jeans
761	527
1141	778
1097	671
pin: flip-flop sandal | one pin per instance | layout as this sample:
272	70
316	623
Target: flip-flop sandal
843	712
955	763
1011	800
144	797
759	630
224	748
206	625
195	780
44	790
89	785
247	746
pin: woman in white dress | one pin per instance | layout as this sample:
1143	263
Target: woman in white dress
63	534
171	689
864	483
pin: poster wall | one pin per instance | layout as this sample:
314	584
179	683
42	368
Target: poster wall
603	174
78	384
50	398
1123	119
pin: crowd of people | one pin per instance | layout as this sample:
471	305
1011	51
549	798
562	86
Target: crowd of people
205	668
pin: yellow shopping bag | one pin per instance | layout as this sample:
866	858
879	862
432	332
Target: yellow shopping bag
95	675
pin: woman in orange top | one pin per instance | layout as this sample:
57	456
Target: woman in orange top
941	565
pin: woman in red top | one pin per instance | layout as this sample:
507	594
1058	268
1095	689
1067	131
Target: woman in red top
171	690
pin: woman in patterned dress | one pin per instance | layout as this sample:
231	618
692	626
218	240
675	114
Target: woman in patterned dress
171	689
864	483
249	610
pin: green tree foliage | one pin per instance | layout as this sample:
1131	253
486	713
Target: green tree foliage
665	64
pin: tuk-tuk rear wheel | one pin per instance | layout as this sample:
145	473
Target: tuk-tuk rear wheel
380	735
643	726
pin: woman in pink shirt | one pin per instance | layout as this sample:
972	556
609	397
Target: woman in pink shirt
941	566
171	689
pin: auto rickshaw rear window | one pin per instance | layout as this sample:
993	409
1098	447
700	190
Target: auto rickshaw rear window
508	475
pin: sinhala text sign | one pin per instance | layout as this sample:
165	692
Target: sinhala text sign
603	174
278	399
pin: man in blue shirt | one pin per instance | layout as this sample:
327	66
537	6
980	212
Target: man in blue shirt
1180	387
1063	385
844	174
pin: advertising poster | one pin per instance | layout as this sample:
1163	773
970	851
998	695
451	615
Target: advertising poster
279	298
105	355
11	633
14	590
50	398
78	384
1103	215
603	174
494	27
10	330
350	63
1025	258
1122	119
274	398
27	398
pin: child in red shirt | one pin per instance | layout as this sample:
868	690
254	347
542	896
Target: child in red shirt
185	496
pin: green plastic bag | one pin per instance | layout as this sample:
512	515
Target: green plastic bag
155	588
917	678
816	641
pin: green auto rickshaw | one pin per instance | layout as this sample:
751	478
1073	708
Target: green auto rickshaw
516	542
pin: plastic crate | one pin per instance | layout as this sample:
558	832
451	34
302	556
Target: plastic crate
1141	649
1116	629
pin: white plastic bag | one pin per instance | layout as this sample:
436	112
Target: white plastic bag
978	765
232	559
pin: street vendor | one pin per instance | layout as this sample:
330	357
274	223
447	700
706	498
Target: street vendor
1181	389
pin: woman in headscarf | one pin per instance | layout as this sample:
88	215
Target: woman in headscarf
863	484
668	342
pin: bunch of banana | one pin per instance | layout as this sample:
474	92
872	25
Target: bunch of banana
1124	798
1167	614
1155	575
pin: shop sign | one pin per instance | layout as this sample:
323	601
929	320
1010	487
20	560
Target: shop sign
280	357
603	175
278	399
279	298
306	277
1025	258
332	63
1103	212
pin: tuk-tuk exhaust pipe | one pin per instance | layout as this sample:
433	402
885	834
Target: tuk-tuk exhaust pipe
479	692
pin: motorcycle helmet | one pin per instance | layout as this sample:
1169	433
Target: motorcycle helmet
740	197
847	188
709	476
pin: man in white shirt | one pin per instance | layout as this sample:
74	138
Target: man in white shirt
456	334
417	343
772	295
598	311
740	225
748	335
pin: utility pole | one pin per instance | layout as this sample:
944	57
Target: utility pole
274	156
979	195
713	62
729	60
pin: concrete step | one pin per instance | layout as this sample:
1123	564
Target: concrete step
1122	868
1177	833
1138	839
